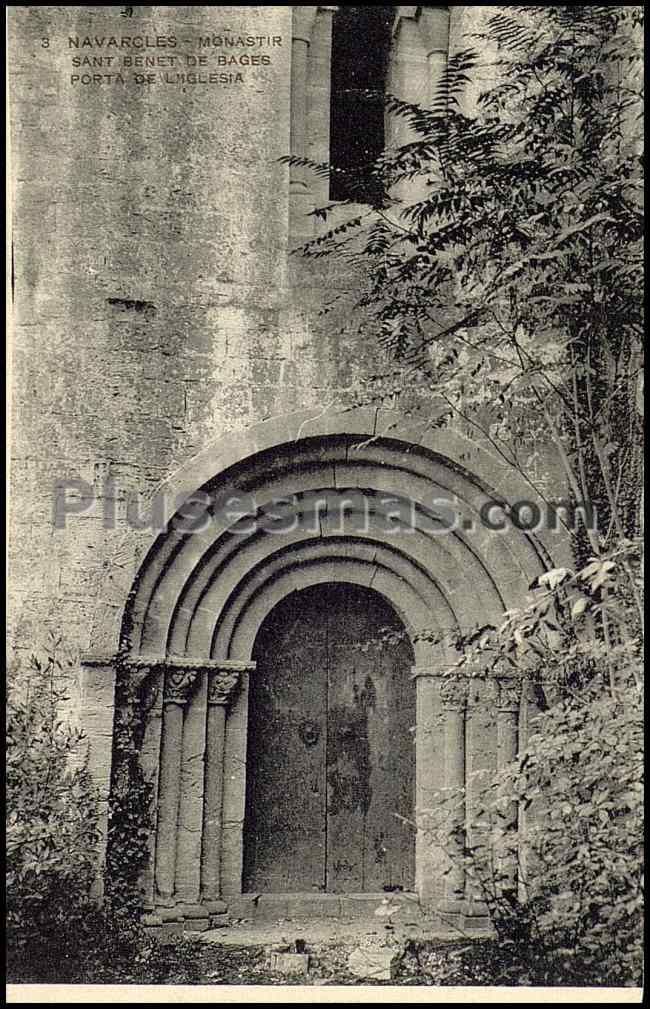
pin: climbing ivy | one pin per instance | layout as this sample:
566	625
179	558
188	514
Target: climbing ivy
131	814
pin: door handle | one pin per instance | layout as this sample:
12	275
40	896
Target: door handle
309	732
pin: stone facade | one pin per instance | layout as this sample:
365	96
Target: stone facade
165	342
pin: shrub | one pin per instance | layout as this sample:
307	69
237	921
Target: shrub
582	775
51	821
56	932
576	915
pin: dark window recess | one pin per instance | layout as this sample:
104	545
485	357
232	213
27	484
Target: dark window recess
360	48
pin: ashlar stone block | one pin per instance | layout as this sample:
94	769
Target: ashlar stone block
290	963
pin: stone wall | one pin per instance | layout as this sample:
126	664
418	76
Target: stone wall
152	309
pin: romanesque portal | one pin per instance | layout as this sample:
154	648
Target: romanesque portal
297	696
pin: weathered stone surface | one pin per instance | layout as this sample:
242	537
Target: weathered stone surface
242	905
310	906
360	906
274	906
378	964
290	963
215	906
191	911
196	924
169	914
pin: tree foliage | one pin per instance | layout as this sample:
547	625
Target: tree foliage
506	279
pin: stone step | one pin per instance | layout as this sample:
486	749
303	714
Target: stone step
346	907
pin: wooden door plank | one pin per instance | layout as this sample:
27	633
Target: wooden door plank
286	793
370	751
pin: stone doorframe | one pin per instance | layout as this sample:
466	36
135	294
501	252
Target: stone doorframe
195	605
194	754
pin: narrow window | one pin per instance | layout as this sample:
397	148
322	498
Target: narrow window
360	48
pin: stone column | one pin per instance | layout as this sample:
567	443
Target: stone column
222	685
480	761
454	694
407	72
429	779
434	25
300	198
440	765
509	692
178	683
234	781
319	92
408	80
190	808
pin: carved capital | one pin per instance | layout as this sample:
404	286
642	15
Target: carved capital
454	692
137	673
178	683
407	11
149	688
303	23
434	23
141	679
509	690
144	674
222	686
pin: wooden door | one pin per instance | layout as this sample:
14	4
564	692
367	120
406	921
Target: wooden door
331	747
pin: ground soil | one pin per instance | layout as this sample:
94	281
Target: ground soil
240	955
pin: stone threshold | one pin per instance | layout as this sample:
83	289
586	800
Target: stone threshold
273	907
294	906
269	908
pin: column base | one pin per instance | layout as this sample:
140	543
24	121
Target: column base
177	916
214	906
164	900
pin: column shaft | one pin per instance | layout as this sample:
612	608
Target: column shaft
301	202
169	797
454	721
434	22
224	683
429	771
213	800
187	884
299	54
508	704
319	91
234	788
151	710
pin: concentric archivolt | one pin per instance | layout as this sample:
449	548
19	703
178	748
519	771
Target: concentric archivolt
205	593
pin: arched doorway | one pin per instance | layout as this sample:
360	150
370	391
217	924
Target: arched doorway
331	752
190	635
